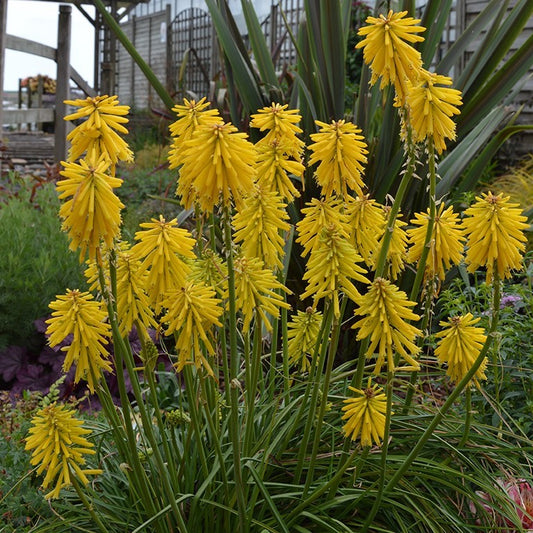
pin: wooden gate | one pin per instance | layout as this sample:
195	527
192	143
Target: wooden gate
192	52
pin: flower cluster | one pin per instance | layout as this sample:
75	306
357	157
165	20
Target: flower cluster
58	444
426	97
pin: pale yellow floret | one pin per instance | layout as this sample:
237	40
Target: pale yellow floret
365	415
340	153
459	346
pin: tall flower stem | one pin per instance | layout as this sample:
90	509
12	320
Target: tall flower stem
87	504
123	353
422	262
234	366
332	351
312	405
252	374
460	387
396	205
319	349
357	380
385	446
142	486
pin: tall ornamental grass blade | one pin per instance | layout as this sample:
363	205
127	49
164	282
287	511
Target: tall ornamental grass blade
463	41
452	166
495	48
335	54
436	20
510	74
244	78
268	499
312	33
467	72
260	48
470	178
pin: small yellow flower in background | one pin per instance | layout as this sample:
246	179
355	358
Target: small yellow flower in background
366	222
218	161
163	248
97	133
255	291
385	310
365	415
192	311
191	114
302	333
92	212
397	251
461	343
386	48
78	314
280	124
341	153
274	166
495	235
259	225
320	214
431	108
446	244
133	304
331	266
210	269
58	444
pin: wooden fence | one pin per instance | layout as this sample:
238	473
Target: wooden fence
65	73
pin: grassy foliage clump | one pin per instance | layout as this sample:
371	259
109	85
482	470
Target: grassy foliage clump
34	258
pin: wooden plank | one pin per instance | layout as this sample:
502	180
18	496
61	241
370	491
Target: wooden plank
30	47
3	19
64	30
21	116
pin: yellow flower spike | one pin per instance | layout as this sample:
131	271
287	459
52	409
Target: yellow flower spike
431	108
385	310
341	153
133	304
365	415
163	248
218	163
192	311
495	235
332	264
302	333
259	226
191	114
320	214
459	346
446	244
255	290
78	314
274	167
397	251
58	444
280	124
365	218
91	215
97	133
386	48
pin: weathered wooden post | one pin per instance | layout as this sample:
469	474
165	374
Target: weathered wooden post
63	81
3	22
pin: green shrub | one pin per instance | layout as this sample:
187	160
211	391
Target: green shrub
504	399
35	261
21	502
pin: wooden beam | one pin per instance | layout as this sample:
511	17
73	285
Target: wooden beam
31	47
63	80
3	19
35	114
